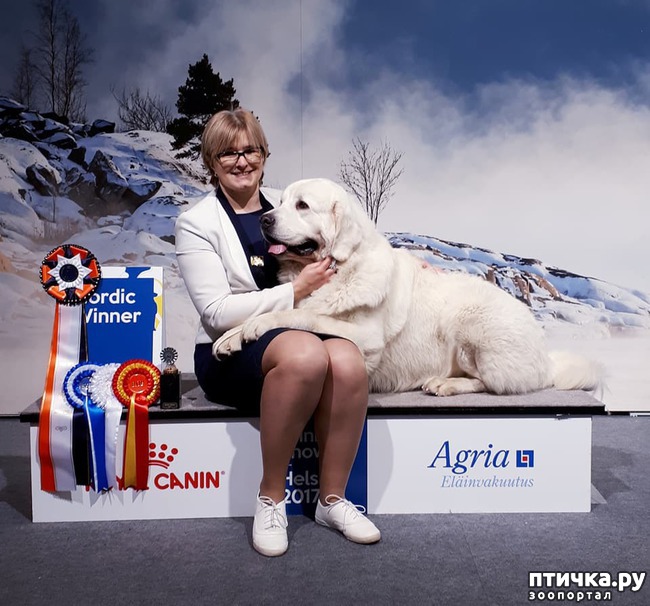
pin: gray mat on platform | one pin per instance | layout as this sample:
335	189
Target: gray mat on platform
545	398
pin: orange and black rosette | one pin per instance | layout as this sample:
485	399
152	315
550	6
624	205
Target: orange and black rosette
70	274
136	384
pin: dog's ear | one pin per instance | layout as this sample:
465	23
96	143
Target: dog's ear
348	231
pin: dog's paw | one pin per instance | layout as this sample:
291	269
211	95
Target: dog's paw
433	386
441	386
228	343
452	386
254	328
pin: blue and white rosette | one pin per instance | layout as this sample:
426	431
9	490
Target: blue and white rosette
101	392
88	428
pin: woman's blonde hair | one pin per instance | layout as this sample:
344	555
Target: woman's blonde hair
223	129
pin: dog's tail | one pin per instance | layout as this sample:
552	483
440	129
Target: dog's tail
571	371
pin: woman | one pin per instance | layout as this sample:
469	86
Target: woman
287	376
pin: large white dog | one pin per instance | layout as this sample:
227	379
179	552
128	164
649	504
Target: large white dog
447	333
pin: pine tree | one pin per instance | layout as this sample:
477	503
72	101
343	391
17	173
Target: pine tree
203	94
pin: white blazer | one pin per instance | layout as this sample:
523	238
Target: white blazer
217	274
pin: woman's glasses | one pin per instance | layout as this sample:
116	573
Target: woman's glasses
252	155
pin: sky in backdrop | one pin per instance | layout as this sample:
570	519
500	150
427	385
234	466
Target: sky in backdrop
524	125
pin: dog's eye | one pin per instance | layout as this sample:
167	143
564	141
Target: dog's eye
302	205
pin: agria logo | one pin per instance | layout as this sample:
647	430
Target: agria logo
161	476
462	460
525	458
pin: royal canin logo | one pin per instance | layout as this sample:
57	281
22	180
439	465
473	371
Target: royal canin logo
162	456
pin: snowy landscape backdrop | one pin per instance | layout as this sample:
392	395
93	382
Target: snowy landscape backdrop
118	194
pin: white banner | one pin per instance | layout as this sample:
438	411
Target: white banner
196	470
414	465
471	465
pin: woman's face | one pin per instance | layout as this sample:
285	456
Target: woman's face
239	173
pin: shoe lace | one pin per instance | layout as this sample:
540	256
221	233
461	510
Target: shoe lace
273	516
350	509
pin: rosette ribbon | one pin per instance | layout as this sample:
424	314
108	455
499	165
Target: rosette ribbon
88	428
136	385
70	274
101	392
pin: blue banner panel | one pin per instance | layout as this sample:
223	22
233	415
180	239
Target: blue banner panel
302	487
124	316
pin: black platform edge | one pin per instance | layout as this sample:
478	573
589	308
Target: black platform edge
32	413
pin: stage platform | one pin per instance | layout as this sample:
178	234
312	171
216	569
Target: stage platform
419	454
195	405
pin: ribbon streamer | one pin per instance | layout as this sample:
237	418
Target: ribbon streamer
97	425
89	432
136	385
101	392
81	448
55	420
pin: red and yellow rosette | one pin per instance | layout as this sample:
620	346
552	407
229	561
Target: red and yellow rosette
136	385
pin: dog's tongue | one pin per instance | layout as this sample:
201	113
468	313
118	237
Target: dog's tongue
277	249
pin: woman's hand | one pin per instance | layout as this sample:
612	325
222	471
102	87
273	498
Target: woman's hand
312	277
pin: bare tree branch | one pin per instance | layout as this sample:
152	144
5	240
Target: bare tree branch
46	50
24	84
371	175
60	53
142	111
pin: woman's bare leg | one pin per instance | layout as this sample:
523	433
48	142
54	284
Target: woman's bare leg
340	415
295	366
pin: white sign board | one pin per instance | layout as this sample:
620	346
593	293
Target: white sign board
471	465
196	470
414	465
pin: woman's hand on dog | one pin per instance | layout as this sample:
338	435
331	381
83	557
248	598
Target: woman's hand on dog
312	277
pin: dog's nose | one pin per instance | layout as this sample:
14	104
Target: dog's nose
266	221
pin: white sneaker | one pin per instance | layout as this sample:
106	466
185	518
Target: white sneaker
348	518
270	527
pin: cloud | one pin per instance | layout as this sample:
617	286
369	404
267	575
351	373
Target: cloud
557	173
547	169
265	47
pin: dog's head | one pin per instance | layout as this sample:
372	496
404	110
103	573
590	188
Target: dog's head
316	218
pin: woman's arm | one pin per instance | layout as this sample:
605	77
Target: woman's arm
205	277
